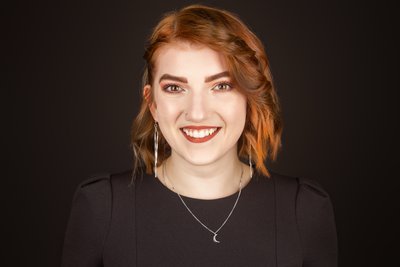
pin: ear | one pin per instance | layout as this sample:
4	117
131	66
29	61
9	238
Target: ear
150	101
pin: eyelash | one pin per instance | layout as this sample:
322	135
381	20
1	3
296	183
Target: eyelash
167	88
178	89
228	84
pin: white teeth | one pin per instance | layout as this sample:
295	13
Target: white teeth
199	133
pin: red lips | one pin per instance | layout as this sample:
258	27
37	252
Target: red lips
200	139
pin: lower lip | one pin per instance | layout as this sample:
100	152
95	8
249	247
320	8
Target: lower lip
200	140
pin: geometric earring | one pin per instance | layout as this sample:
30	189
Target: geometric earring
155	148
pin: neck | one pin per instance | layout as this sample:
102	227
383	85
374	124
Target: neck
215	180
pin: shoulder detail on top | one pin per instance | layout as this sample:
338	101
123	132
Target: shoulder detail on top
93	183
301	183
94	179
312	186
105	178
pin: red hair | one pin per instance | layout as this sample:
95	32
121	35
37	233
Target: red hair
248	66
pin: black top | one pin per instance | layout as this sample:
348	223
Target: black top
278	221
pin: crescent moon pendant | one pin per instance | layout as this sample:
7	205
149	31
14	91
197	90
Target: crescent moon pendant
215	239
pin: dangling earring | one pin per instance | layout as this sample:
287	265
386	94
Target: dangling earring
250	164
155	148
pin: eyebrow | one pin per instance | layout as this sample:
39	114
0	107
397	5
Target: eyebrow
184	80
217	76
173	78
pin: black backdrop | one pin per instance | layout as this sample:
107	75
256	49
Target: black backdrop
72	81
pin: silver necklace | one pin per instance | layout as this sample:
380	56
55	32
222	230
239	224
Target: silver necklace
215	233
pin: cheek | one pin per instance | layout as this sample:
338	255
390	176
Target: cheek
240	114
168	110
236	110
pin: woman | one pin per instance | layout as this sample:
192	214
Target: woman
209	105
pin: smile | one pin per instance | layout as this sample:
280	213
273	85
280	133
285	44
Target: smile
199	134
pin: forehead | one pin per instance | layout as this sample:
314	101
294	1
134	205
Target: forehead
188	60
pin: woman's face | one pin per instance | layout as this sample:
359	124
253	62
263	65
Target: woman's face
199	111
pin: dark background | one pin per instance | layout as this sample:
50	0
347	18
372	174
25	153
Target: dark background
72	83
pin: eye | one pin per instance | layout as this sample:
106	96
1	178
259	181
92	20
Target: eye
172	88
223	86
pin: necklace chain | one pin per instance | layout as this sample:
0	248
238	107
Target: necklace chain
215	233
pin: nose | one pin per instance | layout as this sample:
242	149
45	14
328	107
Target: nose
197	107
